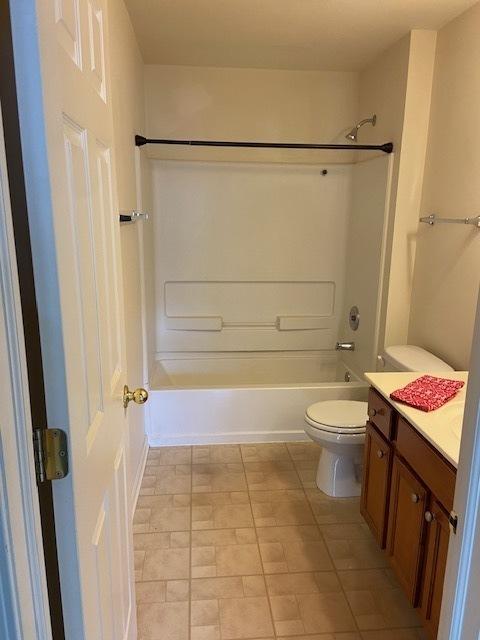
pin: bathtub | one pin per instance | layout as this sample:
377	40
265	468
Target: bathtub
248	397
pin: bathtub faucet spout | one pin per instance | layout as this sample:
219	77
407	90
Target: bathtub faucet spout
345	346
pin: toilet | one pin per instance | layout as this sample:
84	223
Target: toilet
339	425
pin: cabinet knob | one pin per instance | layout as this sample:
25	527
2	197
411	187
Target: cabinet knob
375	412
380	453
415	497
429	516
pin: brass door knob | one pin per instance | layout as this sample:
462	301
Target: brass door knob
139	396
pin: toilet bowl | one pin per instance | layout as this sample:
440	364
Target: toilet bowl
339	427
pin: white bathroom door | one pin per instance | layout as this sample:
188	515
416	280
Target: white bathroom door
73	41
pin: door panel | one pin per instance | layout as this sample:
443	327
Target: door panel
68	28
406	527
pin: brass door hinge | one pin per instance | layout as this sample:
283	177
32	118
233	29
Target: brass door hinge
51	454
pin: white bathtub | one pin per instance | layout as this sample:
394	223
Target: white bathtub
247	397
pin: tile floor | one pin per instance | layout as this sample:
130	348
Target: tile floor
235	542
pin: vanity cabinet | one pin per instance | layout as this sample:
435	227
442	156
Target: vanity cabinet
407	493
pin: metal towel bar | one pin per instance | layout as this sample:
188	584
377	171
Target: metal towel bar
434	219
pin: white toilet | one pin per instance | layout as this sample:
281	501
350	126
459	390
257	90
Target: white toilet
339	425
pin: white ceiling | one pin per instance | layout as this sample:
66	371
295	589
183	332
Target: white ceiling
280	34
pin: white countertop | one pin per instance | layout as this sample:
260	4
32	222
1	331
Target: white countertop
441	427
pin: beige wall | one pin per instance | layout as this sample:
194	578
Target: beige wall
447	266
397	87
249	104
127	93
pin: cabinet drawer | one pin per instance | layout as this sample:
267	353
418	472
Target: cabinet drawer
429	465
380	413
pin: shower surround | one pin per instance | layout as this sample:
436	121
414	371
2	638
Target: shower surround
256	266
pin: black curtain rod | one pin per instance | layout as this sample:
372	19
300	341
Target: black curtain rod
386	148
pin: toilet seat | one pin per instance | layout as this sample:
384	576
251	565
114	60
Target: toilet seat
347	417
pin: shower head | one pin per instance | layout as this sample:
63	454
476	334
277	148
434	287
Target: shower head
352	135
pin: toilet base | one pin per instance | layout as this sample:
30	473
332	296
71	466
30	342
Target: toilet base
340	475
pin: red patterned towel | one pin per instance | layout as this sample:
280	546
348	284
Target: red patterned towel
427	393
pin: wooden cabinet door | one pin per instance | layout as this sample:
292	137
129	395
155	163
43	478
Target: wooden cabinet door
438	533
406	524
376	483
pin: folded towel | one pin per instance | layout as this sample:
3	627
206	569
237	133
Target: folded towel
427	393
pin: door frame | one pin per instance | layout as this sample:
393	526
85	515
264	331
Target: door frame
462	561
460	616
34	123
29	314
23	583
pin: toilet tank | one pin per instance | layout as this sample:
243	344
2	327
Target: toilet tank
407	357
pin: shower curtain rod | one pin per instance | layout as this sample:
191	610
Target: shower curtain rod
386	148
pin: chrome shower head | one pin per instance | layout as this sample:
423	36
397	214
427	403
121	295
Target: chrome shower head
352	135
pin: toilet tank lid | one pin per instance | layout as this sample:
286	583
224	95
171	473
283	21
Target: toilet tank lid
408	357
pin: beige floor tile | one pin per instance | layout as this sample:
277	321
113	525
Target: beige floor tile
264	452
245	618
345	531
208	632
282	557
301	451
170	519
156	501
221	510
308	603
307	472
148	592
162	540
325	613
163	621
169	455
377	602
240	559
231	587
271	475
204	613
223	537
226	560
218	478
142	515
217	454
210	588
356	554
334	510
283	507
178	590
166	564
394	634
292	533
173	479
162	591
327	636
138	560
303	583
